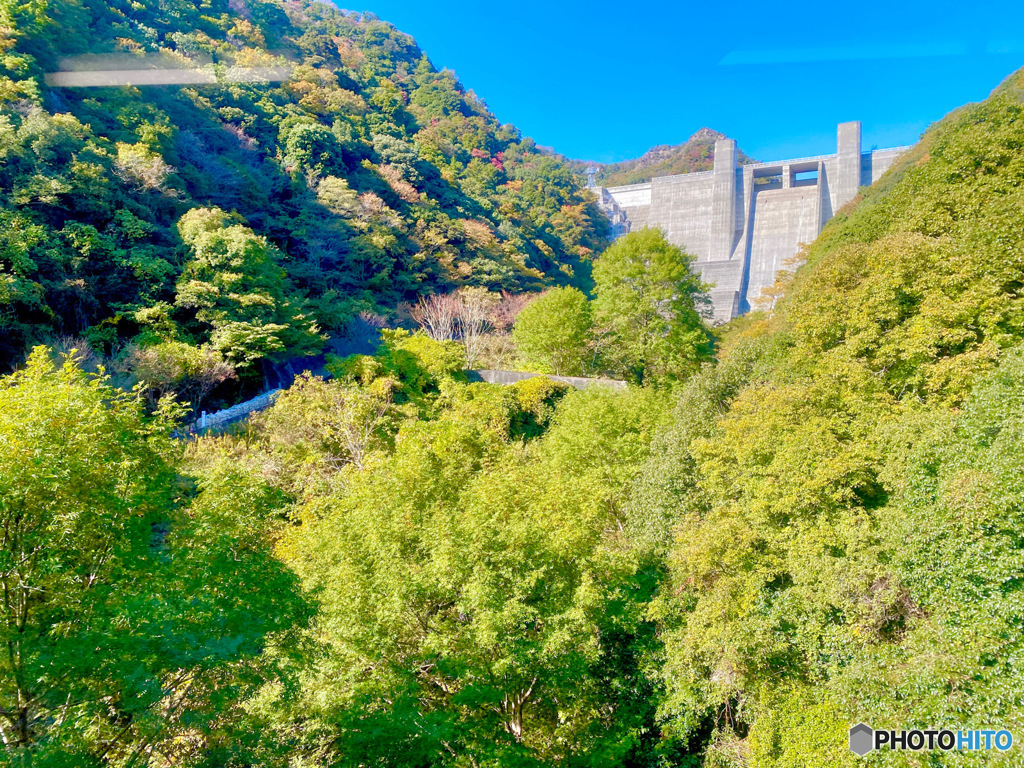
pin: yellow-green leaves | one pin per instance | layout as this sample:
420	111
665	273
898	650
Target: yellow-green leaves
237	288
646	309
553	333
485	586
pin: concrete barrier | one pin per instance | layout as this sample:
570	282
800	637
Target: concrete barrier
215	422
511	377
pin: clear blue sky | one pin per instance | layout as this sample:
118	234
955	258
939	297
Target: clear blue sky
607	80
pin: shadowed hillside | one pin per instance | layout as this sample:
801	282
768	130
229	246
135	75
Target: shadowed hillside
356	177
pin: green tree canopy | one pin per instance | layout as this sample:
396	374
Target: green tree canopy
646	309
132	614
552	333
237	288
478	604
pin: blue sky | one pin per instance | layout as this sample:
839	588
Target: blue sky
605	81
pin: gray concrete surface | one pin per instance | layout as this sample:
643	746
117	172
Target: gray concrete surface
744	225
511	377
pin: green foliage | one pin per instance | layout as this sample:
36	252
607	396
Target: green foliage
80	485
176	367
418	363
536	398
370	177
311	148
235	285
724	567
800	725
318	427
552	333
646	309
133	615
919	284
952	594
476	582
843	545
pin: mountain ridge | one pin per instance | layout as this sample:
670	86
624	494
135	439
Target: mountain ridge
695	154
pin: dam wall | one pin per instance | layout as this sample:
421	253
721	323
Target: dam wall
745	224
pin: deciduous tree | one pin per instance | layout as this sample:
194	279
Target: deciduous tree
239	290
553	332
646	309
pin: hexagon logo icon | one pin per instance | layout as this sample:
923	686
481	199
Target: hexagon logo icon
862	739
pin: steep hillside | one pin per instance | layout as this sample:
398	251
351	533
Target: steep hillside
844	488
348	173
696	154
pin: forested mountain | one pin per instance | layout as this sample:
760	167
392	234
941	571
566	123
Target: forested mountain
246	217
695	154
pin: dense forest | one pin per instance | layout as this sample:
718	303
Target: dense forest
242	221
805	519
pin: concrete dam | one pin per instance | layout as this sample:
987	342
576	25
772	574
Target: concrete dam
744	224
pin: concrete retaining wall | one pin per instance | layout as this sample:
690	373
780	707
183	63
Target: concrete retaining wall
216	422
511	377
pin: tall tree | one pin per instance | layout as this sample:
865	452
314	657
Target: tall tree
237	287
646	307
552	333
